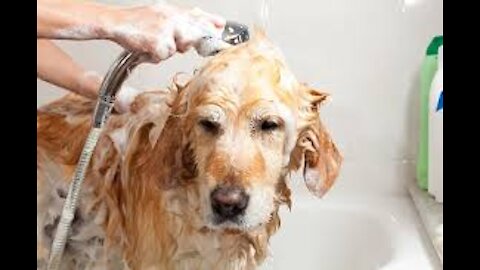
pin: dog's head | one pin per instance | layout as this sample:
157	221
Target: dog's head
234	133
246	123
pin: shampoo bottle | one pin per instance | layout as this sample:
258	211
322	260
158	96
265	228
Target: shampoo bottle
429	67
435	133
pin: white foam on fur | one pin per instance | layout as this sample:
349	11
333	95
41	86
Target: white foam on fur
125	98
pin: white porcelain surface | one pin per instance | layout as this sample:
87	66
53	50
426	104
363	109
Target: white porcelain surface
346	234
431	213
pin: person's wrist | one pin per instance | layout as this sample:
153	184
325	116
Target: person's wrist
90	84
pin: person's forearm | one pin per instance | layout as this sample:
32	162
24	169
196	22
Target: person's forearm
56	67
158	31
70	20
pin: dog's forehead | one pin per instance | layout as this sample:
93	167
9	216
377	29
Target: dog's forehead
248	73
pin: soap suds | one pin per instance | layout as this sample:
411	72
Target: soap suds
77	32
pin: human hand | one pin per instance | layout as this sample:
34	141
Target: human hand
160	30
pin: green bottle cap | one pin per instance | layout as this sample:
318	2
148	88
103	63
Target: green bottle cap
434	45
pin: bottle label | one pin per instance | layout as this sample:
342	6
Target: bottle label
440	102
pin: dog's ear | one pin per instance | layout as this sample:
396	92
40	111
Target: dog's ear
314	150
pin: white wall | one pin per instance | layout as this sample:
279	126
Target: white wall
366	53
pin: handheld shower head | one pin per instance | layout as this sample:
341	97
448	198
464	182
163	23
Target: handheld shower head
233	34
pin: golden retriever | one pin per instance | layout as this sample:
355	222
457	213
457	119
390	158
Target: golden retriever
193	176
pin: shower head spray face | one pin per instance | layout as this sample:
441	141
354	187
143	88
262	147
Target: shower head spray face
233	34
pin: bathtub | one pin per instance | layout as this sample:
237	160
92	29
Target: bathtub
351	234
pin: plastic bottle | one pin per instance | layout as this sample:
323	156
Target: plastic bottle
435	133
429	67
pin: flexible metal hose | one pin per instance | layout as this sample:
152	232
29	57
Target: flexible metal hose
72	200
110	86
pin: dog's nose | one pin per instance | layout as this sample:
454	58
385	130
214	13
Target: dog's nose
229	201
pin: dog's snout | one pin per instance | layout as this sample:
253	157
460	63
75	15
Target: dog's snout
229	201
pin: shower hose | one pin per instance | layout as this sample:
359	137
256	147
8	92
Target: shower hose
117	74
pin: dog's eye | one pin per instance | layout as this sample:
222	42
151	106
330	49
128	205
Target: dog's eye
209	126
268	125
